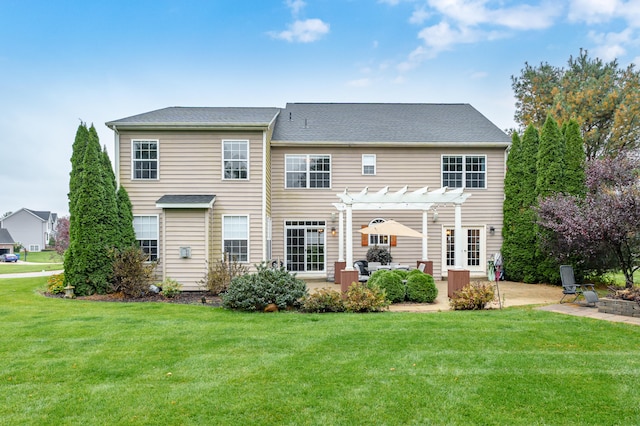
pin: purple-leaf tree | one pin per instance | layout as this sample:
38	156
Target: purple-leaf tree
602	229
62	235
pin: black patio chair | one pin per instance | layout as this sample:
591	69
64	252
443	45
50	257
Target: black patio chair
363	272
571	288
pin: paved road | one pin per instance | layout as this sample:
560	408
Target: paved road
30	274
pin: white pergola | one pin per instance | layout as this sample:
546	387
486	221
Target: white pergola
421	199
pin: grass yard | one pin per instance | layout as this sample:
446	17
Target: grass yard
90	363
45	261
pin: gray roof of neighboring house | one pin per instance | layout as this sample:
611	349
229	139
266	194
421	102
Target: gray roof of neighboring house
200	116
186	201
385	122
5	237
44	215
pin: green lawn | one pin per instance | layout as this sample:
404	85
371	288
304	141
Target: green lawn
47	256
46	261
96	363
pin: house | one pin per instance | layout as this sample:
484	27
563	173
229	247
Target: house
270	184
33	229
6	242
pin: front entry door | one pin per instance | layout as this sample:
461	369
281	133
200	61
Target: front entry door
473	248
305	246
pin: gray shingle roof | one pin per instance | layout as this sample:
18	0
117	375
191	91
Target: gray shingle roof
44	215
196	201
201	116
5	237
355	122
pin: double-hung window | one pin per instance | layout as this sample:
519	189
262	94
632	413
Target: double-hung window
235	159
145	159
464	171
368	164
307	171
235	235
146	229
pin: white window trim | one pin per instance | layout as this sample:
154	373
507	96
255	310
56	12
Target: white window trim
375	164
133	160
308	171
248	234
248	157
157	229
464	172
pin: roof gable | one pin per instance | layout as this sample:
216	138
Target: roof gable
5	237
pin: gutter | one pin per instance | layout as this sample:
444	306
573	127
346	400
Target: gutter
404	144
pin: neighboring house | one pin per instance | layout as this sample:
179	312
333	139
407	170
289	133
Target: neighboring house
262	184
33	229
6	242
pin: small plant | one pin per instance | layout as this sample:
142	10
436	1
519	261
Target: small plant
323	300
473	296
132	272
392	284
379	254
421	288
360	298
55	284
219	274
170	288
254	292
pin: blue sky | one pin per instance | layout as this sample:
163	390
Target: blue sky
65	61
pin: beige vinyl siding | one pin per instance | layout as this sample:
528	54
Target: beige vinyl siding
191	163
185	228
395	167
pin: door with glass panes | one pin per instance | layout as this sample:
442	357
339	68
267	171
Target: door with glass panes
305	246
473	249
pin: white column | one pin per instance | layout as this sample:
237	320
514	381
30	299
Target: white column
349	231
458	246
425	217
341	237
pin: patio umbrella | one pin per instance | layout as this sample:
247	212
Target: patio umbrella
391	227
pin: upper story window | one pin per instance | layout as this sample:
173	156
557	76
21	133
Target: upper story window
464	171
145	159
235	235
368	164
146	229
235	159
307	171
378	239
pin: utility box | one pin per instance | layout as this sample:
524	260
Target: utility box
185	252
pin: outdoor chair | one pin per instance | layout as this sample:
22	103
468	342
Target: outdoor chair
363	272
571	288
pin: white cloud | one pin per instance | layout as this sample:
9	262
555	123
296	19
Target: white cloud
305	31
593	11
418	16
362	82
296	6
611	45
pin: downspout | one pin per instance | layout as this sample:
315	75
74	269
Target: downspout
116	154
264	195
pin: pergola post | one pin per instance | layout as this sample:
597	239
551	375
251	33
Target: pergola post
341	237
349	235
425	251
458	235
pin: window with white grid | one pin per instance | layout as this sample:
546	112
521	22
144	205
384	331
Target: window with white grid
235	235
146	229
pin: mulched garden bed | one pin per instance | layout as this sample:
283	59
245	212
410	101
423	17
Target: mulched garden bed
184	298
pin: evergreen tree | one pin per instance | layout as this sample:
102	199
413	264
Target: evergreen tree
519	244
77	158
550	161
574	160
111	220
125	218
550	181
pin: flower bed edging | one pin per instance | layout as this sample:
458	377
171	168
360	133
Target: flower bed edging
627	308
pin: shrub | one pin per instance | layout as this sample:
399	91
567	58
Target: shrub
421	288
323	300
393	286
219	274
132	272
379	254
374	279
402	273
253	292
55	284
474	296
360	298
170	288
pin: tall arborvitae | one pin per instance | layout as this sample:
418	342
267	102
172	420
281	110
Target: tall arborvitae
75	176
574	160
125	217
519	245
111	220
550	162
550	181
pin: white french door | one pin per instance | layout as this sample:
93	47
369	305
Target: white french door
473	248
305	246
